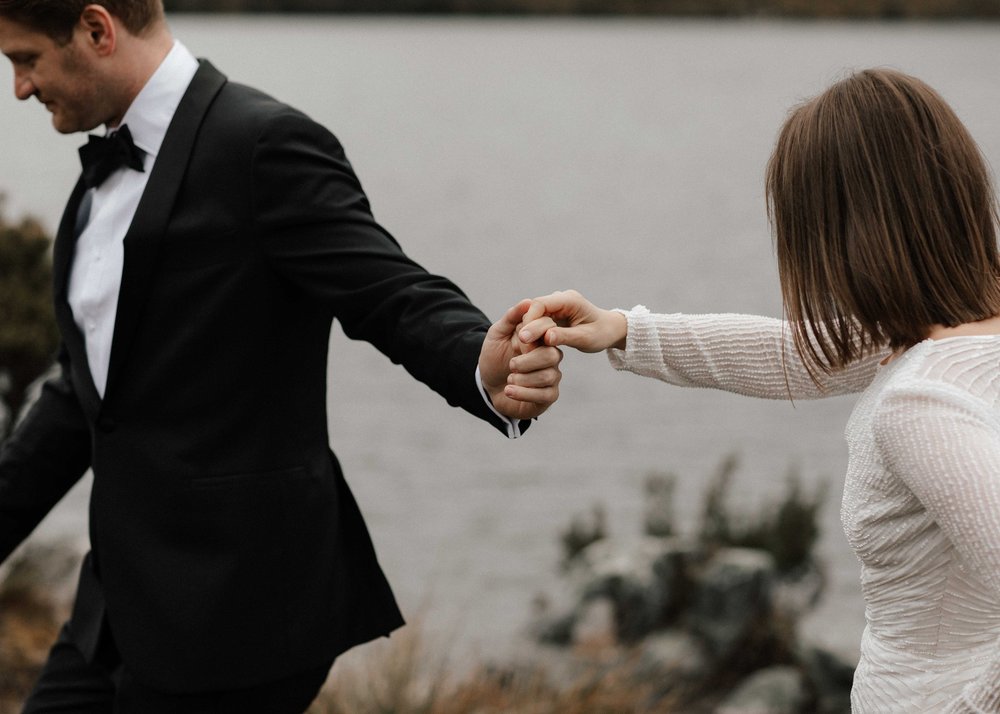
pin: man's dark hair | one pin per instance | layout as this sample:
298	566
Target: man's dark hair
57	18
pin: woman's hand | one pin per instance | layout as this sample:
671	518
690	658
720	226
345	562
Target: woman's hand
522	380
568	318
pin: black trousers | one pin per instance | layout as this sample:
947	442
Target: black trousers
70	685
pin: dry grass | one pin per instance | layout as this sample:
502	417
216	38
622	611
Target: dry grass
35	592
401	676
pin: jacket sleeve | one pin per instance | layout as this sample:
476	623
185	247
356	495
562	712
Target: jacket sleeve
46	454
317	230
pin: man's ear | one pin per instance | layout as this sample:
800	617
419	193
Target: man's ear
99	27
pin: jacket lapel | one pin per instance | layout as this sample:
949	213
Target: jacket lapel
62	259
152	216
62	251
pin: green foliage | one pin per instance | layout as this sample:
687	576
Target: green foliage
658	519
581	532
787	530
28	335
716	520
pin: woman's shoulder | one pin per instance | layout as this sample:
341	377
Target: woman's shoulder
964	367
940	395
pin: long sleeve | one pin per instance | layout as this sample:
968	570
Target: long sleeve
744	354
47	453
944	444
319	234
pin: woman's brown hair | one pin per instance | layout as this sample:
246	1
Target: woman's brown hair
884	219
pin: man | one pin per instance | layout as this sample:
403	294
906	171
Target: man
201	258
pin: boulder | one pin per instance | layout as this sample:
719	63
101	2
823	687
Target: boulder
730	598
831	679
671	655
775	690
797	592
646	583
595	623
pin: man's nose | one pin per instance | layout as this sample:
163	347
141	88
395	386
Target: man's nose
24	88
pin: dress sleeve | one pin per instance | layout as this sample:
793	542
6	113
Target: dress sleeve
745	354
944	444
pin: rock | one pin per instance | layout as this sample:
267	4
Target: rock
731	597
831	679
797	592
554	629
645	583
671	654
595	623
553	618
775	690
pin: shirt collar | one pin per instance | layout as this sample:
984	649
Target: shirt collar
152	109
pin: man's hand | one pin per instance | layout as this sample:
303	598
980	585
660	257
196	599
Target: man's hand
521	379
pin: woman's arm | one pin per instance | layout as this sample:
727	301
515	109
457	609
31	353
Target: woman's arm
744	354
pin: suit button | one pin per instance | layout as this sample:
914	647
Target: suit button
106	424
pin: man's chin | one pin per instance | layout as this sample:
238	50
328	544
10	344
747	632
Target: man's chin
60	125
68	129
68	125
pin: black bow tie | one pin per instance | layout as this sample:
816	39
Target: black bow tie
103	154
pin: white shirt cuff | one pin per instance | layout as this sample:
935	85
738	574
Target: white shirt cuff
513	425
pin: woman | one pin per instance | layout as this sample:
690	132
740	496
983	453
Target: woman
885	229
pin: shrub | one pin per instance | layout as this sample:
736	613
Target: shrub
28	335
787	529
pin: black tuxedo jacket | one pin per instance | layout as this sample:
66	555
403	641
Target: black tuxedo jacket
227	549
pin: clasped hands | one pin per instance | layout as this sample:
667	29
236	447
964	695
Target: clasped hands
519	362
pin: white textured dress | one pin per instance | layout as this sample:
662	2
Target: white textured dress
921	505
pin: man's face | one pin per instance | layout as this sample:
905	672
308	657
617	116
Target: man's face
63	77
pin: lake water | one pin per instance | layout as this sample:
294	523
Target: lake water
621	157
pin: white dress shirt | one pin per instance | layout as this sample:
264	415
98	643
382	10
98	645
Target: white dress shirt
96	276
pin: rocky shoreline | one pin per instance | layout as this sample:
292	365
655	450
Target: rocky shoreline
698	623
713	629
